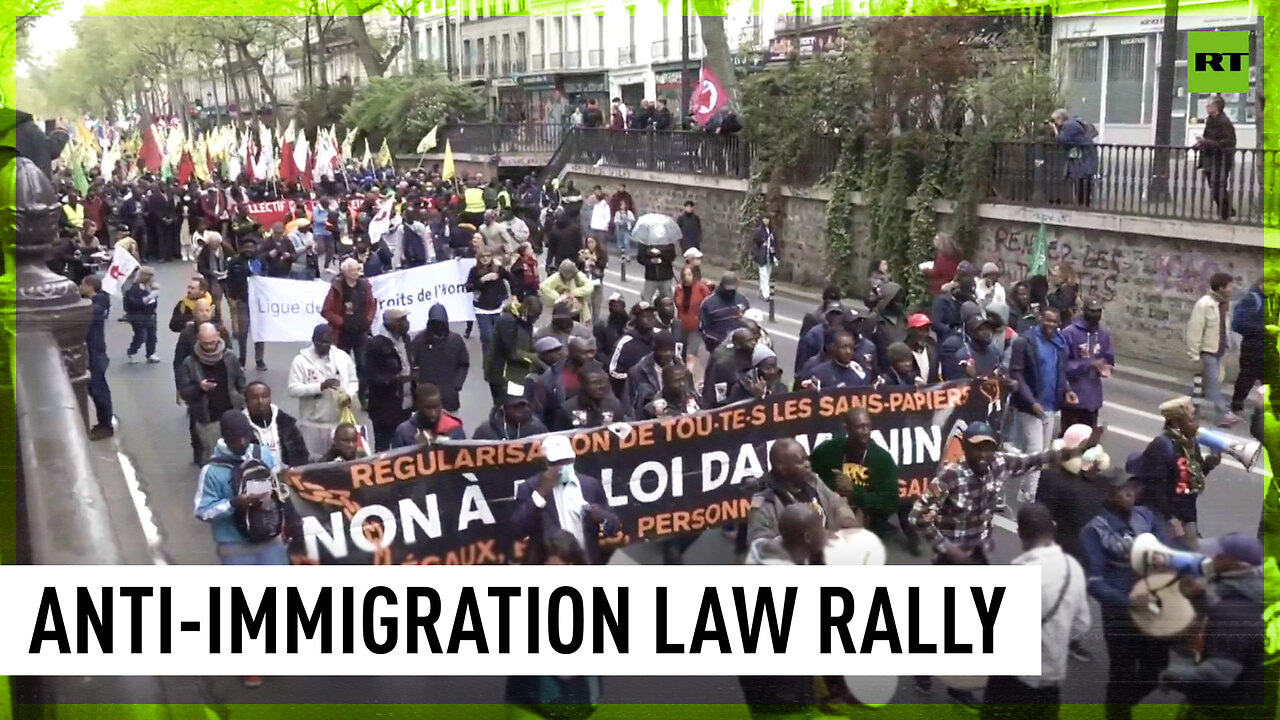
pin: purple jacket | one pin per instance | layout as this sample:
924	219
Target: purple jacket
1084	345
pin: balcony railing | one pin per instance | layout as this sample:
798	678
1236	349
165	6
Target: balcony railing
660	50
1127	179
573	59
553	60
518	65
466	70
537	62
595	58
627	55
480	68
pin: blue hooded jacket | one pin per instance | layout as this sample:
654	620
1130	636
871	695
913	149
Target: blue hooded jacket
214	493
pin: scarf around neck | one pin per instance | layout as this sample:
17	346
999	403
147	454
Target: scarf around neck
1191	473
211	358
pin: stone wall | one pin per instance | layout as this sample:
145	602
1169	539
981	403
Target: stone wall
1147	272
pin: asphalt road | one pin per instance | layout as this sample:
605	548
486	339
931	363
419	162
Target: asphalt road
152	440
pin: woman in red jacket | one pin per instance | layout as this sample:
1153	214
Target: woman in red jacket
946	261
689	296
349	308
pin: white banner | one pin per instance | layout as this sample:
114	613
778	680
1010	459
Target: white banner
506	619
282	310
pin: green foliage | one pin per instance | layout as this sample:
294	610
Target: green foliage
975	168
324	106
838	228
403	109
924	221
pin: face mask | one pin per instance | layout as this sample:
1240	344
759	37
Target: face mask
566	473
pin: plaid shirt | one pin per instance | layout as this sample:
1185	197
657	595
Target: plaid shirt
957	507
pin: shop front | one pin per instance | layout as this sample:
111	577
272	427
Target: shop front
667	85
578	89
1111	68
542	100
510	101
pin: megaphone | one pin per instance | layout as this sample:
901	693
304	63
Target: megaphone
1148	555
854	546
1246	452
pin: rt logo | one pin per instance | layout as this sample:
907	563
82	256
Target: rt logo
1218	62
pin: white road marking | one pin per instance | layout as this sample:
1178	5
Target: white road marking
141	505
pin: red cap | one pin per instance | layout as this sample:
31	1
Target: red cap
918	320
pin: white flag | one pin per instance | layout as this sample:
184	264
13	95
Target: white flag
122	267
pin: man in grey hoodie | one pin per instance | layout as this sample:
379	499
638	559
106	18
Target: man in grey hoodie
802	537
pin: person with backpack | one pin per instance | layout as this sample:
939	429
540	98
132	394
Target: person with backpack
1077	136
1258	309
238	496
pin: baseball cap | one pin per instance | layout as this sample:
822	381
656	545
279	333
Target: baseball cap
641	307
833	307
692	254
616	296
557	449
977	321
547	344
515	393
1235	546
990	269
393	314
980	432
918	320
1093	304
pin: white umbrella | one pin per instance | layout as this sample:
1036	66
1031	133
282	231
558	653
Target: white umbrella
655	229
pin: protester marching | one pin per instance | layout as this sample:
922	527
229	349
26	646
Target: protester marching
451	338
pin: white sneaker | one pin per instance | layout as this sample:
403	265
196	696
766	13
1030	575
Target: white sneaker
153	359
133	360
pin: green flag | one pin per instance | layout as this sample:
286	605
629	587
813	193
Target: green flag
1039	254
77	177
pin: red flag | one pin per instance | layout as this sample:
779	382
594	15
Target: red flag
288	169
709	98
149	156
186	166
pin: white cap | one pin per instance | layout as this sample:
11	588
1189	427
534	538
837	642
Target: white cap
692	254
557	449
515	390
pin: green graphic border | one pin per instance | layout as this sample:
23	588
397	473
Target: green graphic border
10	97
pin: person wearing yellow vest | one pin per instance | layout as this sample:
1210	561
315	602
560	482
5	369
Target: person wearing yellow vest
504	201
73	211
473	208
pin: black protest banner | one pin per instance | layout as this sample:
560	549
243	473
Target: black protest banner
449	503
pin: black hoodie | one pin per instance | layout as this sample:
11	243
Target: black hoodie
34	144
499	429
441	358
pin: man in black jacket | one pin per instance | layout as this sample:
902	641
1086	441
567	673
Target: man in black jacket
690	227
512	420
388	373
633	345
239	268
593	406
644	378
276	429
610	329
439	357
514	358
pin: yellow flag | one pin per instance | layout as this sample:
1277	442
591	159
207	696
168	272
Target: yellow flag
428	142
384	155
447	169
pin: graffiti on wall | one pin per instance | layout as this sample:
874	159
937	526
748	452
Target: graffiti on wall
1148	285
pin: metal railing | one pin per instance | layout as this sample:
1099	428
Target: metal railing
627	55
573	59
680	152
508	138
1151	181
660	50
536	61
518	65
595	58
553	60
